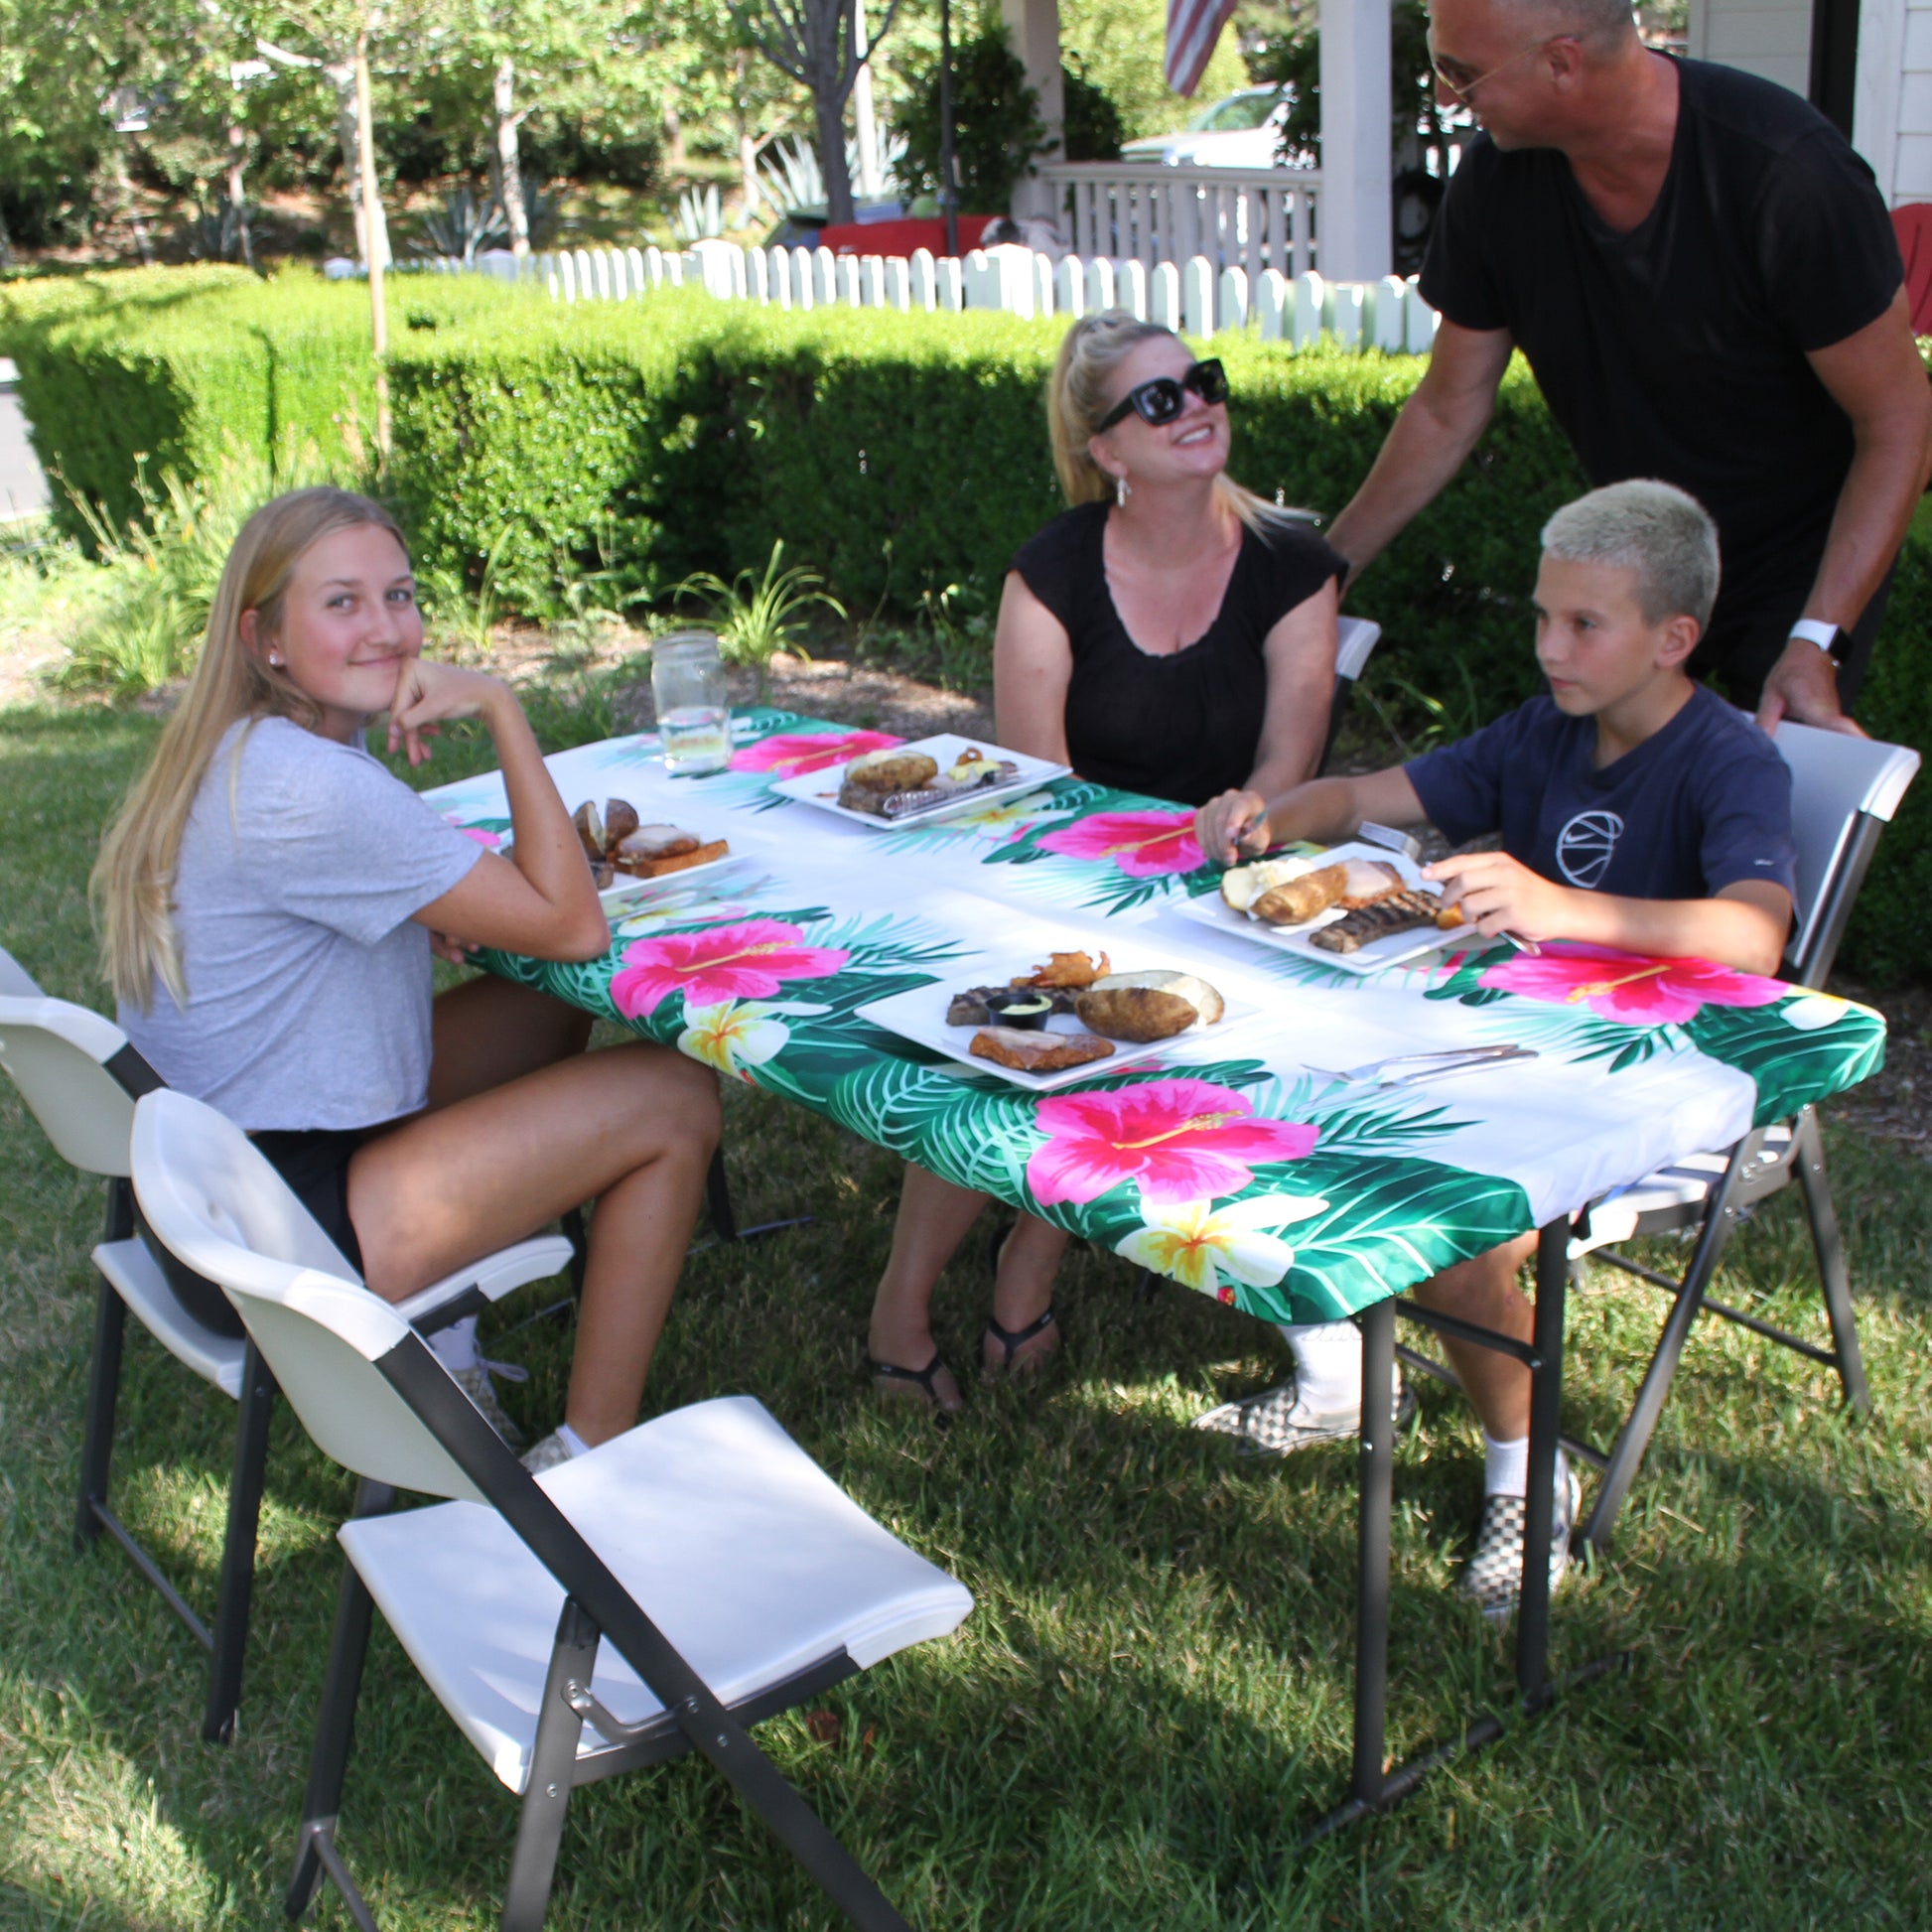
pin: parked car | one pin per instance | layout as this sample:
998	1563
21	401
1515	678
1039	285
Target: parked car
1239	132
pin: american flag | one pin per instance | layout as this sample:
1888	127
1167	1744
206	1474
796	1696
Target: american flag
1193	26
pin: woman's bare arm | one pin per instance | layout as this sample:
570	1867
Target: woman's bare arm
1033	665
545	901
1299	654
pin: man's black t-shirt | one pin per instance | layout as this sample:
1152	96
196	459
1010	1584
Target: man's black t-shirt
1678	349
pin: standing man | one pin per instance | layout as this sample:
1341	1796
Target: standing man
1704	278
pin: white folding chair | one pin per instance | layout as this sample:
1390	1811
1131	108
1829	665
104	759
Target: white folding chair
1355	641
1844	791
79	1078
730	1575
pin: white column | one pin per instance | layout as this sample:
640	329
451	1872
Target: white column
1354	244
1035	28
870	184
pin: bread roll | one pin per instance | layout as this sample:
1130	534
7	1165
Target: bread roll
590	830
1300	900
619	821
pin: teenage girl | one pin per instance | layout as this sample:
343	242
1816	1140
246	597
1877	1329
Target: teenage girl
269	899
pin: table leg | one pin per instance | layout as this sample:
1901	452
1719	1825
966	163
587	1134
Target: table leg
1546	1396
1376	1481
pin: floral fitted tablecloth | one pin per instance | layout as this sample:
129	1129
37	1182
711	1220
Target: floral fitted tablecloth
1245	1169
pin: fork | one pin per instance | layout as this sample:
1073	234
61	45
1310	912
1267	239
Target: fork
1426	1066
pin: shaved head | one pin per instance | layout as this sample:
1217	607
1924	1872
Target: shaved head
1586	19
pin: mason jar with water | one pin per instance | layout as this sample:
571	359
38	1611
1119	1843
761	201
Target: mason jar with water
688	685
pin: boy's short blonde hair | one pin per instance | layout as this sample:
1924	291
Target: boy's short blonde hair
1656	529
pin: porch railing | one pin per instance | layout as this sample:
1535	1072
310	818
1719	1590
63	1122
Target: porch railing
1145	212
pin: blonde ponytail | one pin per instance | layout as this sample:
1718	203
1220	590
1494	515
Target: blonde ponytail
133	880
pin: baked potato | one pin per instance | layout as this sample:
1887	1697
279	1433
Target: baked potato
1149	1006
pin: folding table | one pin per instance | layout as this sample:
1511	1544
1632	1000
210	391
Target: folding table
1229	1164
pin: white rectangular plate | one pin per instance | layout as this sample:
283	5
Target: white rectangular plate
627	885
1212	910
821	789
921	1017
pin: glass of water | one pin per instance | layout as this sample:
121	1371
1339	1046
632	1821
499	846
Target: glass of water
688	685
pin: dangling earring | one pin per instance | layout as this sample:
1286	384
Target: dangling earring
1121	490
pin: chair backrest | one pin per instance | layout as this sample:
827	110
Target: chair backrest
58	1055
16	982
208	1193
1355	641
1843	791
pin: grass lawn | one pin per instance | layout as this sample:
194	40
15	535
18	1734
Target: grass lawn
1155	1689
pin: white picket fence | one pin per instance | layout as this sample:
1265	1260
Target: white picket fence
1388	315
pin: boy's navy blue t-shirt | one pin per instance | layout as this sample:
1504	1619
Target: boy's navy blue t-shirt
1702	804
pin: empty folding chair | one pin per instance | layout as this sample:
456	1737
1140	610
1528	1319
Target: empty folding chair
1844	791
1355	641
81	1078
678	1583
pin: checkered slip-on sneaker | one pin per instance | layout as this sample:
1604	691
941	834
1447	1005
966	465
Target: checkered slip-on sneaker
1493	1578
546	1454
1276	1423
474	1382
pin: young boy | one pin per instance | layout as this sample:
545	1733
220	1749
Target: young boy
1636	810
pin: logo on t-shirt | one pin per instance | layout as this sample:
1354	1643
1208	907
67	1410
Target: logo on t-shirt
1585	847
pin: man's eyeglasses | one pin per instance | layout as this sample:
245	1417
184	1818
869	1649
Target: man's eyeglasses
1162	399
1462	85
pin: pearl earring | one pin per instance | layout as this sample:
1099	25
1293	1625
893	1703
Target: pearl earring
274	660
1120	491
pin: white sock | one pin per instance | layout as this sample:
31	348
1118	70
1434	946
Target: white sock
1506	1467
1327	1364
456	1345
572	1441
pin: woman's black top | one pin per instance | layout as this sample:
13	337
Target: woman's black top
1182	727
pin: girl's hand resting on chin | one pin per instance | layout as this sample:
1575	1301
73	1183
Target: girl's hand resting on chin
1233	826
429	695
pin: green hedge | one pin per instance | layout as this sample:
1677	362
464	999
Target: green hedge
161	369
897	455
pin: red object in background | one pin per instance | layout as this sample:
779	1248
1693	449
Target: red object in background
1913	227
902	238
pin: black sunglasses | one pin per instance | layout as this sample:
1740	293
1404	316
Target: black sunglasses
1161	400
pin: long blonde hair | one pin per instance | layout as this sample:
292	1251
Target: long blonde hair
1079	395
133	880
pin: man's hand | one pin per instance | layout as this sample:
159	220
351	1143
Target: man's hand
1501	895
1233	825
428	695
1802	686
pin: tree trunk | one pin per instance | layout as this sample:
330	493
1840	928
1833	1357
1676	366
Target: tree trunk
124	194
237	196
673	137
828	111
6	243
507	170
366	208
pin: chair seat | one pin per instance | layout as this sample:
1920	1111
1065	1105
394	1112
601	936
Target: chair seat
746	1554
496	1276
137	1279
1672	1197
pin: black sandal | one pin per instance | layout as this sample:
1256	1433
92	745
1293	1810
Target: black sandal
1011	1341
925	1380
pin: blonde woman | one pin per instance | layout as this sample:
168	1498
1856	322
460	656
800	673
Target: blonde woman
1169	633
269	897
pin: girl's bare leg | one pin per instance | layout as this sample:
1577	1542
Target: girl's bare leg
1484	1290
489	1031
634	1126
934	1219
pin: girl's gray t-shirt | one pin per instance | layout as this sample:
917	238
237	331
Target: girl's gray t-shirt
302	864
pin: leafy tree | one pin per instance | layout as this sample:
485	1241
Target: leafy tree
996	129
1120	46
812	41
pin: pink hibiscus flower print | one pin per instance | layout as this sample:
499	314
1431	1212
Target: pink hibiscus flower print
1627	985
1179	1140
789	753
1144	845
724	962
